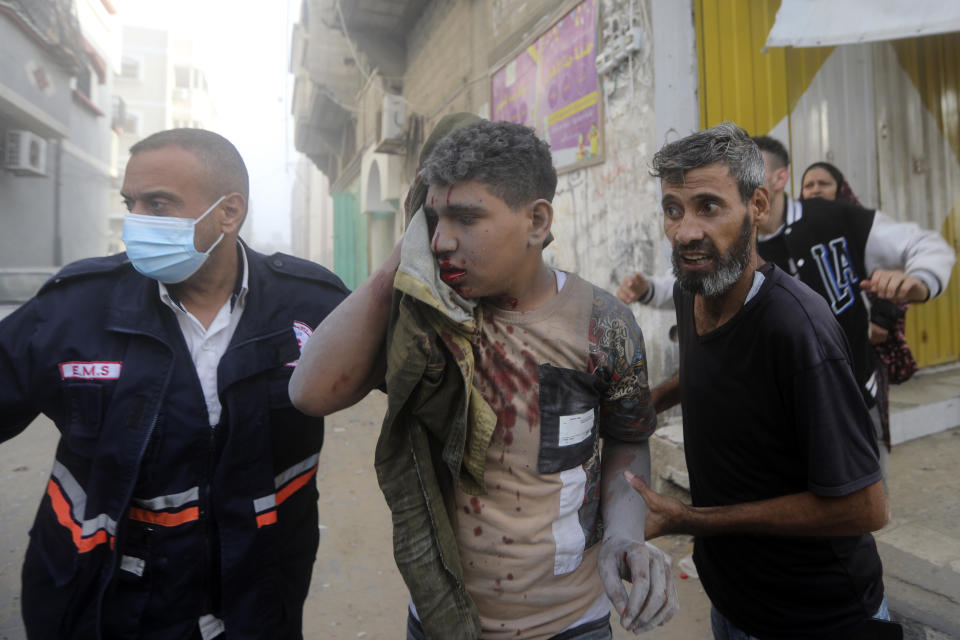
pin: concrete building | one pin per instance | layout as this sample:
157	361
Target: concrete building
311	215
59	143
873	91
160	85
374	77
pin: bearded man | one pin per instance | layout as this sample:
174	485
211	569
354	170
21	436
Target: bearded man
784	477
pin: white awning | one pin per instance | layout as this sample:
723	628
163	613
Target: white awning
821	23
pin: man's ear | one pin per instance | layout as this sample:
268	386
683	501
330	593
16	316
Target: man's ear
541	219
234	208
780	178
760	205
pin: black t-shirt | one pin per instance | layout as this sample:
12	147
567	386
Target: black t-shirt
770	408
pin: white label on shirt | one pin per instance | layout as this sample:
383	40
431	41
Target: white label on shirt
303	332
567	530
575	428
90	370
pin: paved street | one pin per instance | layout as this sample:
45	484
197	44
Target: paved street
357	592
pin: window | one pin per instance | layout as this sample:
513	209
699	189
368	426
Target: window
131	122
84	82
181	77
118	115
129	68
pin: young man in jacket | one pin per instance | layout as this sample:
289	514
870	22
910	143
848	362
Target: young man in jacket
504	378
182	501
784	477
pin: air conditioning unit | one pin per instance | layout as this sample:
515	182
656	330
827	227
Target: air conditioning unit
25	153
393	125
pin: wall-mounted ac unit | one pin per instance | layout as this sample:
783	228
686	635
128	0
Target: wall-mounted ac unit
25	153
393	125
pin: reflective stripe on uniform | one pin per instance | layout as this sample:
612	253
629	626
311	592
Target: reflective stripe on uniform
132	565
286	484
69	503
210	626
165	518
167	511
171	501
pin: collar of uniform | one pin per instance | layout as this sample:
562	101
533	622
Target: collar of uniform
240	287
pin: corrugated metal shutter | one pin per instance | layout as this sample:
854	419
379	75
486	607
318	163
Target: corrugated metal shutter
835	120
738	80
841	105
918	84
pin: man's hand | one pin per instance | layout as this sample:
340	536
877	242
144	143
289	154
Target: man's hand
878	335
896	286
633	288
664	514
653	598
666	394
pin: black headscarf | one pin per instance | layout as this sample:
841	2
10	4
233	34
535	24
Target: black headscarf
844	192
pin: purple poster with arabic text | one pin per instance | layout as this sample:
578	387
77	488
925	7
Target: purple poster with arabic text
552	85
569	108
515	90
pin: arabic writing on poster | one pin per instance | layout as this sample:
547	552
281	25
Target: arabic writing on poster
553	87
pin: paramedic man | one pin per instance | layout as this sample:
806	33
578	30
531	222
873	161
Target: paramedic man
182	500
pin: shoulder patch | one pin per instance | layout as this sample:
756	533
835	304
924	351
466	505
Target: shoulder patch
87	267
285	264
303	332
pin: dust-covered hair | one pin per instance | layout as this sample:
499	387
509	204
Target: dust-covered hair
509	159
226	172
726	144
769	144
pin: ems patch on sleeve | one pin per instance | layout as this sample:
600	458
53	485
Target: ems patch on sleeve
303	332
90	370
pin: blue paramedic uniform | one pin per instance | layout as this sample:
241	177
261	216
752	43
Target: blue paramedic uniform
152	518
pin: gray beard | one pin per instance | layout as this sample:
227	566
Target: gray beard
729	268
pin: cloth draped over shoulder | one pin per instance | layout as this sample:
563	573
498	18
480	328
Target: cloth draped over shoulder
436	432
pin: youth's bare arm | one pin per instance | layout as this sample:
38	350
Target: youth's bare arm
652	600
798	514
344	358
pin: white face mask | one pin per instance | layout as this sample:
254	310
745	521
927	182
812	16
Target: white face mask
163	248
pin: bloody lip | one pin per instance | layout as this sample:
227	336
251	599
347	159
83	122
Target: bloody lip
452	276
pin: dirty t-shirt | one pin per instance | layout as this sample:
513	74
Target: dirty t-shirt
557	378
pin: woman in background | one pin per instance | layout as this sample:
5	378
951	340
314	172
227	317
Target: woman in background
823	180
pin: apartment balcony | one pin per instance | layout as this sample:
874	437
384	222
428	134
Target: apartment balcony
335	47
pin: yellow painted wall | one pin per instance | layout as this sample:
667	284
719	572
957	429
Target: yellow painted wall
738	80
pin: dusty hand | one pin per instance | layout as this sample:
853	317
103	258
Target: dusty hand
663	514
633	288
653	597
896	286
